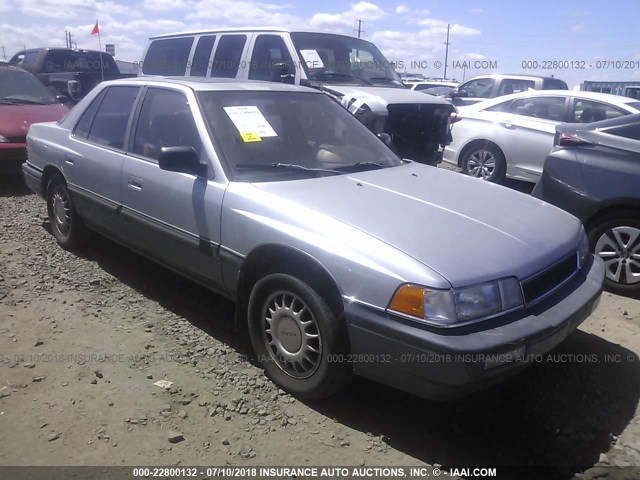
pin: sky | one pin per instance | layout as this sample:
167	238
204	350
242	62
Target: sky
587	40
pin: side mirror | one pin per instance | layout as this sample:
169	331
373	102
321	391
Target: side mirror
63	99
385	138
281	73
455	94
181	159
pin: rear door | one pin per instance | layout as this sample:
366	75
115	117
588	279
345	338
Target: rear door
526	129
174	217
93	163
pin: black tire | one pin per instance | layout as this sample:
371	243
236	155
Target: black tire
289	303
67	227
484	161
612	239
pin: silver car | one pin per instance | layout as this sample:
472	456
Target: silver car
341	257
510	136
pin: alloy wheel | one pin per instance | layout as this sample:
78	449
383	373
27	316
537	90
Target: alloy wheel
481	164
619	247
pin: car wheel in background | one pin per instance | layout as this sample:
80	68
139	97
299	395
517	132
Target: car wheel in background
299	341
616	239
65	223
484	161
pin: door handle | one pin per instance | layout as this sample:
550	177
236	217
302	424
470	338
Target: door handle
135	183
70	161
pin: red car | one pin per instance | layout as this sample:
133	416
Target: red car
23	100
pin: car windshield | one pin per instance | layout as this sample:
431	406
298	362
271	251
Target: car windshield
18	87
330	58
271	136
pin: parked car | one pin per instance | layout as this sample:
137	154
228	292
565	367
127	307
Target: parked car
68	72
23	101
594	173
512	135
484	87
349	69
340	256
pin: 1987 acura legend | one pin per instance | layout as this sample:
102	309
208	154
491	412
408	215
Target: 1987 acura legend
341	257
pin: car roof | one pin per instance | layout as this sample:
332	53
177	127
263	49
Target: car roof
57	49
213	84
517	76
247	30
596	96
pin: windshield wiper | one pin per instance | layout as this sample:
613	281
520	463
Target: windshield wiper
358	165
317	76
285	166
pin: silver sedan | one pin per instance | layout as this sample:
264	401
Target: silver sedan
341	257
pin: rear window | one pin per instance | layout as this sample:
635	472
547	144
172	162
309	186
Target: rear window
627	131
554	84
167	57
79	61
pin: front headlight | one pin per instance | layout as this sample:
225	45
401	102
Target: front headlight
4	139
447	308
583	248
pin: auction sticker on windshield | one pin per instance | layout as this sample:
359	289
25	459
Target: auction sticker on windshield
312	58
250	122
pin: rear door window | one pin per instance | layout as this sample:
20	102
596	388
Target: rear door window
110	123
547	108
228	55
167	57
84	124
200	61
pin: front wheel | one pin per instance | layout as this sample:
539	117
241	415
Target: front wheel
65	223
486	162
298	339
616	239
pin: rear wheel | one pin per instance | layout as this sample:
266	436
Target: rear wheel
616	239
484	161
299	341
65	223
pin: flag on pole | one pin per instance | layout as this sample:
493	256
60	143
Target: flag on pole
95	30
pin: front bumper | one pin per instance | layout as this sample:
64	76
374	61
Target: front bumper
12	155
445	363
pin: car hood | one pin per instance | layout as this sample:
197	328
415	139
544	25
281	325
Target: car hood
464	229
378	98
15	120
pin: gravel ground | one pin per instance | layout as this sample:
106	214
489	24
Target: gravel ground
85	335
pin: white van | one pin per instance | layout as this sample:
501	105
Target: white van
350	69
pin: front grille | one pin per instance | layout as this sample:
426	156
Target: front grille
18	139
544	283
418	130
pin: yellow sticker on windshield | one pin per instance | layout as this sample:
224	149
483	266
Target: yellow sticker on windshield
250	137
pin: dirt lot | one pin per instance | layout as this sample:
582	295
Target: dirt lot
84	336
